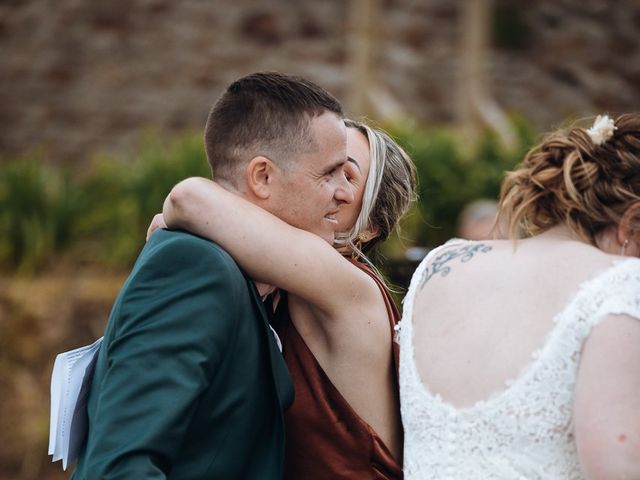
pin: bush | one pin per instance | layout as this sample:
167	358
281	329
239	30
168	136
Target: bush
100	218
450	176
39	207
48	215
125	195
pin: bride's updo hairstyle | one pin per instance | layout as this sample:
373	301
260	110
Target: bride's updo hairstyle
586	178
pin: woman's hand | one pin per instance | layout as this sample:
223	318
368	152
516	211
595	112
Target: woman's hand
156	223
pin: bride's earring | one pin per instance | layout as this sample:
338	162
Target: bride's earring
624	246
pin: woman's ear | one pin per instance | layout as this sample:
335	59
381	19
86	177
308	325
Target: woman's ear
629	225
368	234
259	177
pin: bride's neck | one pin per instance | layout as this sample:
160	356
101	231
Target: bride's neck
559	233
605	241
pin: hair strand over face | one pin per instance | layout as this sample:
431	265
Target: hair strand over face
389	190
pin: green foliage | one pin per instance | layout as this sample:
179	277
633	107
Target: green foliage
125	196
38	210
450	176
100	218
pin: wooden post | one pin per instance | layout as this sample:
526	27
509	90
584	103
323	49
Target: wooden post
362	53
477	109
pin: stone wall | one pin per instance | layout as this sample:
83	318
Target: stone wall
79	76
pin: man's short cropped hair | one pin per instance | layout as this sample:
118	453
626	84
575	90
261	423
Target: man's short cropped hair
264	114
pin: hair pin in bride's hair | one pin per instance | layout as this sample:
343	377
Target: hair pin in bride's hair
602	129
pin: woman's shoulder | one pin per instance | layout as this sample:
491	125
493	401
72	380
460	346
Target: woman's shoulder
611	288
600	269
435	260
438	259
382	288
614	276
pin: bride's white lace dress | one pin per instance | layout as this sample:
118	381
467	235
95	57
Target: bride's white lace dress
526	430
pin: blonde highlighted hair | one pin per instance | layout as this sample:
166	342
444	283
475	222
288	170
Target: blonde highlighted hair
388	193
567	178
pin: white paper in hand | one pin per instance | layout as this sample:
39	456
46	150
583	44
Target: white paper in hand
70	383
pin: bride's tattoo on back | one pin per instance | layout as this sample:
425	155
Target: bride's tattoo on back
465	254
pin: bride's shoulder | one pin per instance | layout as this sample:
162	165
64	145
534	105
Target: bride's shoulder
610	281
439	261
601	265
618	270
434	255
452	245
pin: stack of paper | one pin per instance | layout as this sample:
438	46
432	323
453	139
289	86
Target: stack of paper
70	383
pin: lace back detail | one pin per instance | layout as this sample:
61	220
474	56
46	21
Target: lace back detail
525	431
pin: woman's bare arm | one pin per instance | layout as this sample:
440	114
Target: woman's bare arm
607	404
269	249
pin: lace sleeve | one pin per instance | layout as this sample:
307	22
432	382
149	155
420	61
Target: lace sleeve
615	292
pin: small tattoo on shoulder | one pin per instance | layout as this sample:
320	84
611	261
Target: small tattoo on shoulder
439	265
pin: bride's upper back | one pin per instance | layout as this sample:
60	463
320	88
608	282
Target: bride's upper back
482	310
479	314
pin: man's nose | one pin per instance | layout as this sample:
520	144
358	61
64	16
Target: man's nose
344	191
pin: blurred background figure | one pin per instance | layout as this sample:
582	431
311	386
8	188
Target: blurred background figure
477	219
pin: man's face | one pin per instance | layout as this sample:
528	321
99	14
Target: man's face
309	193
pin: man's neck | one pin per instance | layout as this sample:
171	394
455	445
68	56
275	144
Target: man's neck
264	289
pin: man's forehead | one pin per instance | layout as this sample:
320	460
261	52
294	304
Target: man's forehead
320	164
330	165
326	144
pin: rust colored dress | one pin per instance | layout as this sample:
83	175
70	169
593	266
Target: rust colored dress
325	438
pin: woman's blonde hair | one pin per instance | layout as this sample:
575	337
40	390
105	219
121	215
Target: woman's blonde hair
388	193
568	178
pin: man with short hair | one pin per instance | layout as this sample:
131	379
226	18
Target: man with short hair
189	382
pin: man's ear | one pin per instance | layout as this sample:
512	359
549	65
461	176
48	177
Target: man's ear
629	223
259	177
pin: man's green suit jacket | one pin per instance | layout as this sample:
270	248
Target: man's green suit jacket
189	382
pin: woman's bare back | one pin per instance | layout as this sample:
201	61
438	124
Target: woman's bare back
480	324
